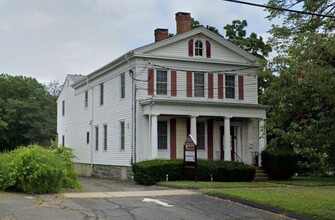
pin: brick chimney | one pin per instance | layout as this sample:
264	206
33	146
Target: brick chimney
183	20
161	34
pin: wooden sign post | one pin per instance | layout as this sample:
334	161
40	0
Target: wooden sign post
190	155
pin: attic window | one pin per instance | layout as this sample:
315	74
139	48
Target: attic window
198	48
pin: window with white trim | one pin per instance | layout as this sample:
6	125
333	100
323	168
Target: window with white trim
122	135
198	48
101	94
199	84
122	85
230	86
87	137
86	99
162	131
63	107
96	138
161	82
105	137
201	135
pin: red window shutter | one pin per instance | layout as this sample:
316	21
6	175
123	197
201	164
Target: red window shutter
240	88
210	85
208	49
210	139
190	48
173	83
189	83
220	86
173	139
150	81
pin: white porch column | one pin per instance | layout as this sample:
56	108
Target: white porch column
262	138
193	126
227	139
154	137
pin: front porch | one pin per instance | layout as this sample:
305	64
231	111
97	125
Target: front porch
168	125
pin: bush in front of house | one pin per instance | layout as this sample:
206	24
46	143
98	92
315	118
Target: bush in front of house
152	171
34	169
279	164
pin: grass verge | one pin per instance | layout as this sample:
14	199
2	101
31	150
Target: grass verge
216	185
316	202
309	181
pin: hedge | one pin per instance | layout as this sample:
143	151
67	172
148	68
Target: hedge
152	171
279	164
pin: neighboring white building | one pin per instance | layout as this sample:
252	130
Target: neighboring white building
144	104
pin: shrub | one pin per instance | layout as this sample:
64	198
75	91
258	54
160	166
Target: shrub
152	171
34	169
279	164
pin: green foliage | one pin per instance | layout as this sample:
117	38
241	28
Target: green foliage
152	171
28	112
70	177
279	164
36	170
302	115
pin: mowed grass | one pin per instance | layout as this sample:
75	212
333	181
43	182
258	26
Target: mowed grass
216	185
315	202
309	181
310	196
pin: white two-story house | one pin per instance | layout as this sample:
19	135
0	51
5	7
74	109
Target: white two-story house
144	104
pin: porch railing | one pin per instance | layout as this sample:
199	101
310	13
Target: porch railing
237	157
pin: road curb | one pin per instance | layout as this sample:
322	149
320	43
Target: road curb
261	206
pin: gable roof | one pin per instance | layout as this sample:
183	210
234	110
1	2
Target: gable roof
200	30
141	51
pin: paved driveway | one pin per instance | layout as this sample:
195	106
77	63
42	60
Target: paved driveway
149	202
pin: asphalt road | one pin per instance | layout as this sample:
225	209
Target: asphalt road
22	206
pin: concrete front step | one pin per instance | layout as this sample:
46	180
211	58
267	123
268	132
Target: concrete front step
260	175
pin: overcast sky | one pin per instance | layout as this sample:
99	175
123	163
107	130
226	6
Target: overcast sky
48	39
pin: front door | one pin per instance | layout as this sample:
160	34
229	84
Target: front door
232	142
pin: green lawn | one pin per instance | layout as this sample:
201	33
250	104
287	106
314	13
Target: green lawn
315	202
311	196
309	181
216	185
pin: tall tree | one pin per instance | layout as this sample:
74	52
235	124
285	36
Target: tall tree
302	115
28	112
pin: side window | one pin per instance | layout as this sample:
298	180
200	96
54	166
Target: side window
162	135
87	137
101	94
105	137
161	82
86	99
122	85
63	140
230	86
198	48
96	138
122	135
199	84
63	107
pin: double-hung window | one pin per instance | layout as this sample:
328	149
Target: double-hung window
101	94
198	47
122	85
122	135
162	135
201	135
96	138
161	82
199	84
230	86
63	107
86	99
105	137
